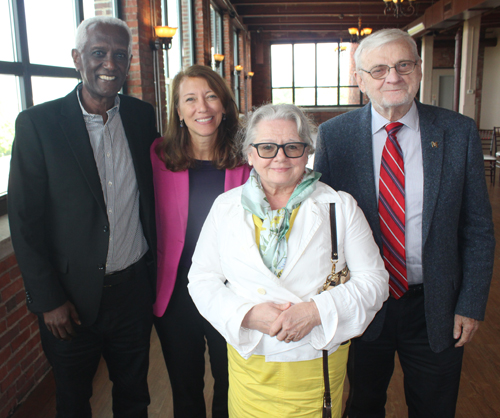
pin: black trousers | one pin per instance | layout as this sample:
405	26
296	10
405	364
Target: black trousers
182	332
121	335
431	380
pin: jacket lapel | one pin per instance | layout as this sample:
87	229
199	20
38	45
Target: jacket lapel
432	155
367	198
304	228
73	126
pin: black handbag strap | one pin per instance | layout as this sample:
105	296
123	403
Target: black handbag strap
333	229
327	402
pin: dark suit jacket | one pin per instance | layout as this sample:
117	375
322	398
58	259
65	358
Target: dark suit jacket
457	228
57	214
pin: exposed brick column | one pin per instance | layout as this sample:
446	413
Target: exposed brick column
202	32
228	49
186	34
261	64
140	81
103	7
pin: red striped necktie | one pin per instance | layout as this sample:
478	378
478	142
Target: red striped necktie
391	209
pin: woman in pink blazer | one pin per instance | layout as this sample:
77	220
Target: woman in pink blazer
193	163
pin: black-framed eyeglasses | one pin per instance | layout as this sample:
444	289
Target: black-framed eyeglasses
270	149
382	71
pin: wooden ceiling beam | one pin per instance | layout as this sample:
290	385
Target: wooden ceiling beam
333	8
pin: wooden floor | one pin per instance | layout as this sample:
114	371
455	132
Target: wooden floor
479	389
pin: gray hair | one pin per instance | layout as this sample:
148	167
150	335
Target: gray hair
270	112
81	37
383	37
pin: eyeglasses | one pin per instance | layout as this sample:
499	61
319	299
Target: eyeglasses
270	149
382	71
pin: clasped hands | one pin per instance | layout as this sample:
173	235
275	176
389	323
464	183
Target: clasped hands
286	321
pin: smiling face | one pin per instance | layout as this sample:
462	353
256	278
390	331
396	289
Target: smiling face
103	63
396	92
278	173
200	108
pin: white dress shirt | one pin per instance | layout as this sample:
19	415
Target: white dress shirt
127	243
410	141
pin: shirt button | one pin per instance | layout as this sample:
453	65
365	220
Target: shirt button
110	210
261	291
110	183
108	155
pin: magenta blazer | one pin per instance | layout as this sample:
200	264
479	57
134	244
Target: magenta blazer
172	204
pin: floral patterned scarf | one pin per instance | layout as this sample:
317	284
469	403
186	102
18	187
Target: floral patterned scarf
275	223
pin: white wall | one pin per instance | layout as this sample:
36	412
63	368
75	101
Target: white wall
490	100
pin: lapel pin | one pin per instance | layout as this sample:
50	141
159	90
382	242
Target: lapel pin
434	144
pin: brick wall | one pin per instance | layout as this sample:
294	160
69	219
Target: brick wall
22	362
103	7
140	81
261	64
202	32
186	34
228	49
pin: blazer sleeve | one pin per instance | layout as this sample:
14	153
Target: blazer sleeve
225	310
28	195
475	235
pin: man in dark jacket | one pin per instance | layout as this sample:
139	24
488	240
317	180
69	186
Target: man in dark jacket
81	212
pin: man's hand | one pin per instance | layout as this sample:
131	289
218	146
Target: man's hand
295	323
58	321
263	315
465	328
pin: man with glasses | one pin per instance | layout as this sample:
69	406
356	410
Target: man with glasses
417	172
81	212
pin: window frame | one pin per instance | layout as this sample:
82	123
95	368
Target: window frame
216	37
361	102
24	70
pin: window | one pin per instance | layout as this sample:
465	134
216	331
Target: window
35	59
309	74
180	54
174	56
216	35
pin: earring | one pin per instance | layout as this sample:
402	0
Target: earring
224	116
182	123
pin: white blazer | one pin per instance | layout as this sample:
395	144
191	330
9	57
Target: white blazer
228	277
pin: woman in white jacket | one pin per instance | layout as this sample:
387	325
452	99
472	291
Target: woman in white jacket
261	261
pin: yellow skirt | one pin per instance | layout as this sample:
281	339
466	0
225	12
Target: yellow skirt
283	389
